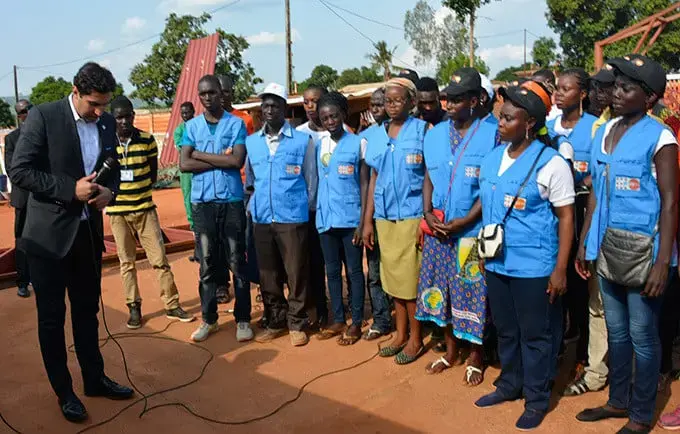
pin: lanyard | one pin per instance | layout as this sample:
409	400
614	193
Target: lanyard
460	155
125	149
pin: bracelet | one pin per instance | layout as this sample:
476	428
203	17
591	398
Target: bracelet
426	213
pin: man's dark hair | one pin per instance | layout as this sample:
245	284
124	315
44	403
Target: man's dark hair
226	82
92	77
121	102
427	84
212	79
546	73
322	90
333	99
188	104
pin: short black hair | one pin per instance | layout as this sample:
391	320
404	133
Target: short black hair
188	104
92	77
212	79
334	99
427	84
227	80
318	87
546	73
121	102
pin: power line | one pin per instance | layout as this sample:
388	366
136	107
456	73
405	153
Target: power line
6	75
365	18
496	35
113	50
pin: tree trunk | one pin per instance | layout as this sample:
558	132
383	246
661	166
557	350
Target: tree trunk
387	74
472	39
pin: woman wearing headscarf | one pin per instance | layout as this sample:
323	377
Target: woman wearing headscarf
527	195
630	228
451	289
395	153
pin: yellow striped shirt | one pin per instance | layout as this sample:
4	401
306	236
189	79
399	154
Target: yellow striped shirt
135	156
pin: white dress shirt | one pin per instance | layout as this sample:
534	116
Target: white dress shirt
89	142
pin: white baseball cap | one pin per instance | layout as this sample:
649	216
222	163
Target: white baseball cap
276	90
487	86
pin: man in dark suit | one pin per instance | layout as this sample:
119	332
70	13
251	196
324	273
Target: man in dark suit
18	200
61	146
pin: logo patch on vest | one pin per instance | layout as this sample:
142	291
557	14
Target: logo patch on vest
472	171
293	169
346	169
581	166
625	183
520	204
414	158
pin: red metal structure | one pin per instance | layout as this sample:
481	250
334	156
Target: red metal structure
657	21
199	61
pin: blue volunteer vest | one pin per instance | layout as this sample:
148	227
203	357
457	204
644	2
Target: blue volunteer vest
339	195
581	140
401	170
280	194
440	163
216	185
634	202
531	243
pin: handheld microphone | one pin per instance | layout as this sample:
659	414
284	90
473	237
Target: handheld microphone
109	165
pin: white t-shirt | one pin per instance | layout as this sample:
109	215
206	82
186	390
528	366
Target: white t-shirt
565	149
555	181
327	146
554	112
316	135
665	138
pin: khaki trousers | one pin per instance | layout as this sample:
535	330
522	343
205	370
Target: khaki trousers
596	372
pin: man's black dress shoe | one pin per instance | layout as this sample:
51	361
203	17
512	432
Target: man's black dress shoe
72	409
108	389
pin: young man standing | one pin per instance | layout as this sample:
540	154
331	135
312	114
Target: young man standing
429	106
213	149
133	214
282	163
187	112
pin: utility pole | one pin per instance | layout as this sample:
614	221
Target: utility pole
472	39
525	53
16	85
289	51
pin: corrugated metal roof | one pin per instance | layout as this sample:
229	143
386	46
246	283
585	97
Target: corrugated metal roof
199	61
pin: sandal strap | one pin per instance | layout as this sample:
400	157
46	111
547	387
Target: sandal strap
469	370
440	361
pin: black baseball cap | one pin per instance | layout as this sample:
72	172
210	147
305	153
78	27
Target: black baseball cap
409	74
463	81
604	76
641	69
526	99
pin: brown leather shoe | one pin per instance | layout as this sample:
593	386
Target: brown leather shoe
269	335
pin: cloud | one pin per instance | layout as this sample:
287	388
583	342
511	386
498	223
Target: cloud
189	6
95	45
133	24
269	38
504	52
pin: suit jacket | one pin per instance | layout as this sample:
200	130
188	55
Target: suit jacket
47	161
19	196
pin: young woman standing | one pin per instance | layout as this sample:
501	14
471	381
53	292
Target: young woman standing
451	288
634	166
395	153
528	188
341	199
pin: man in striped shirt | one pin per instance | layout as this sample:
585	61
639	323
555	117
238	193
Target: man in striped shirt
133	214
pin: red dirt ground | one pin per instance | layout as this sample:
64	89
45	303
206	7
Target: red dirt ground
249	380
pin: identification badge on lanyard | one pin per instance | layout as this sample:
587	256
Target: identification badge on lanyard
127	175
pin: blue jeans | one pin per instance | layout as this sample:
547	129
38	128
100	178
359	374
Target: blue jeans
632	328
221	226
380	304
332	243
524	320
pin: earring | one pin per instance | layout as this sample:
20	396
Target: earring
526	135
580	108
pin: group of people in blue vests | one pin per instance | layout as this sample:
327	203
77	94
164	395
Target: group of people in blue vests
474	224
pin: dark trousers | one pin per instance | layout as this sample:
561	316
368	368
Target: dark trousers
253	271
668	322
524	319
79	271
380	304
221	226
283	249
333	243
23	277
317	272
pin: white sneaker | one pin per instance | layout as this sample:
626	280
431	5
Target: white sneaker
243	332
203	331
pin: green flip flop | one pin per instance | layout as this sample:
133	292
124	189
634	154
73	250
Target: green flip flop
404	359
390	351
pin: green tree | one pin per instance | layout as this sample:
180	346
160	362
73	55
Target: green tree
433	41
6	117
467	9
544	52
358	76
322	75
156	77
510	73
50	89
119	90
581	23
448	68
382	58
